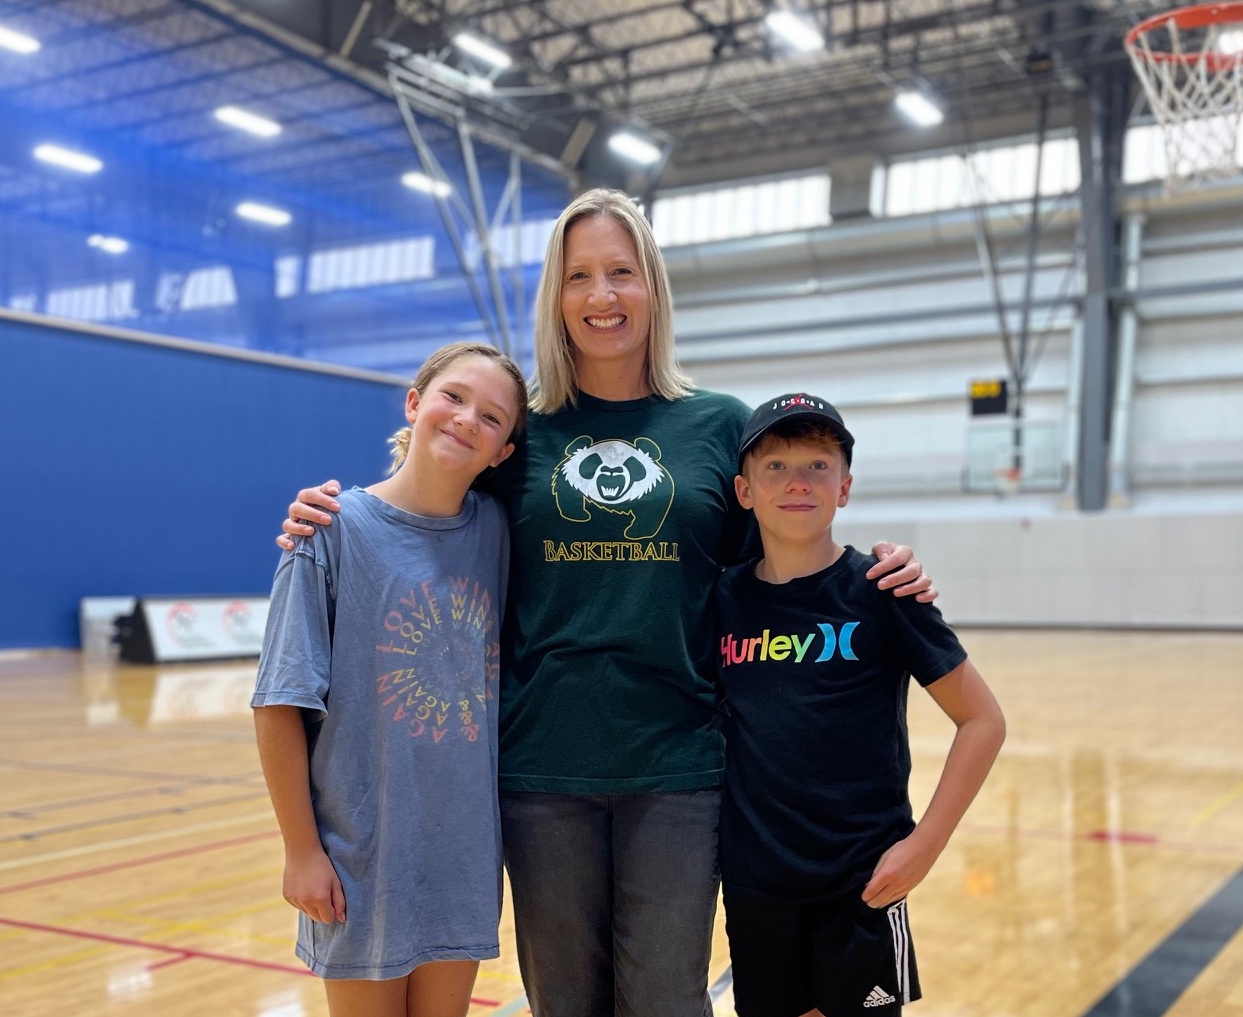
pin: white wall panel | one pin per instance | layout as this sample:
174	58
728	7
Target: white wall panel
1117	569
845	320
1187	348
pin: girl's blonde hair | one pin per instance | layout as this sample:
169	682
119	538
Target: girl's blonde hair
556	378
442	360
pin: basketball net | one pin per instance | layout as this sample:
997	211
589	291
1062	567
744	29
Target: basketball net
1190	62
1008	481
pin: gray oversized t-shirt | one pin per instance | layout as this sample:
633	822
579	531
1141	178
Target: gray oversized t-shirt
384	628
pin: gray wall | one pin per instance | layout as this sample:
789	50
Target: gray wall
891	318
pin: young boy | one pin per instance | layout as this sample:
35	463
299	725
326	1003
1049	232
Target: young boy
818	846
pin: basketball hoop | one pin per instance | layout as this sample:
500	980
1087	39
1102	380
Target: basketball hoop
1008	481
1190	62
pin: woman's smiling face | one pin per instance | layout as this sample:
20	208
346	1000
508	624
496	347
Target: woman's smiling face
604	297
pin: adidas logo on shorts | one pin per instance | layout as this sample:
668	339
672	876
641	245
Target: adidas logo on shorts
878	997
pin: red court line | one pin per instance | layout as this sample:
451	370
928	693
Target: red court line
1122	837
168	963
179	953
1098	836
134	862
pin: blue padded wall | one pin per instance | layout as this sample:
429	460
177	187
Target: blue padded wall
143	469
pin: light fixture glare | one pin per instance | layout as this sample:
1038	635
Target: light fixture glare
919	109
265	214
634	148
249	122
66	158
109	245
485	51
17	42
794	31
1231	42
422	182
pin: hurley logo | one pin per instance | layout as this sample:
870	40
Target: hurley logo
879	997
769	647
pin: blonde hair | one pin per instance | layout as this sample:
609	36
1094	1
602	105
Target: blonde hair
441	361
556	378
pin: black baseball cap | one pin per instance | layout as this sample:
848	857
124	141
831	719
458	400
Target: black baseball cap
795	406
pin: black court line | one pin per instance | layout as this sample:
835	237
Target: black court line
1156	982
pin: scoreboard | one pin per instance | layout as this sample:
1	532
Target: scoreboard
989	396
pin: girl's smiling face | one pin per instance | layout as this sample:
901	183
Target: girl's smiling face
464	418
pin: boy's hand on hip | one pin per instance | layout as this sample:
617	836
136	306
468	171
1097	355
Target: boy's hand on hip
899	871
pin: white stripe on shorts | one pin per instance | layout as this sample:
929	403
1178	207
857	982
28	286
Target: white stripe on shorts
900	929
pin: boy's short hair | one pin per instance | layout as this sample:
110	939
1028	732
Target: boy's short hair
794	416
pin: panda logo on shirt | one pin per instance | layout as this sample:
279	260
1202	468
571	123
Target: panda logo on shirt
618	477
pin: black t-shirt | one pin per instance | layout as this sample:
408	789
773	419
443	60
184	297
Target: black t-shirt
815	676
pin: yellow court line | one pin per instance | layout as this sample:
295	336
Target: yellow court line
123	913
69	959
1218	805
145	838
209	927
167	931
500	976
132	903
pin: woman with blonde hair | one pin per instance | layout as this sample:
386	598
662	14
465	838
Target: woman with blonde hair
622	514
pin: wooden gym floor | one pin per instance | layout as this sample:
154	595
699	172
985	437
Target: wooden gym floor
1100	874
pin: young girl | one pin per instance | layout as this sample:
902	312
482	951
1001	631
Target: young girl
376	707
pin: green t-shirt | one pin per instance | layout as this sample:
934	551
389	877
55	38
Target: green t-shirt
622	515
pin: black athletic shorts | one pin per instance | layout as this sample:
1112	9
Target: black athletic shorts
839	956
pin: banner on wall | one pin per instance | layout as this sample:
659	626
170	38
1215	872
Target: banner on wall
167	630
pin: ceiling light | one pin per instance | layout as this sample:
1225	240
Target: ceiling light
634	148
17	42
1231	42
919	109
485	51
109	245
265	214
67	159
794	31
252	123
422	182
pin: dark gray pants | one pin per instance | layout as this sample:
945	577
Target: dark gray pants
614	898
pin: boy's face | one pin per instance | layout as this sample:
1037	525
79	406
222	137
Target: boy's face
794	487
